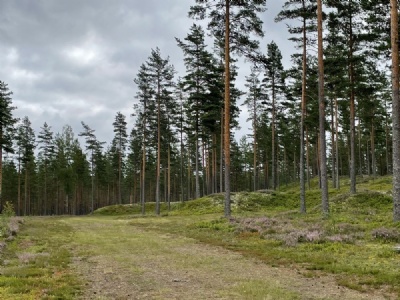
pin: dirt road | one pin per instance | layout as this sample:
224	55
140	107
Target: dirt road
121	261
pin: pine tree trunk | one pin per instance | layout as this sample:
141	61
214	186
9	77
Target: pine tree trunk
143	175
221	164
26	191
169	178
360	159
119	173
165	185
92	194
266	170
373	158
308	161
396	110
214	159
337	144
208	166
285	167
368	160
181	157
197	188
45	188
19	209
254	144
1	174
321	101
204	167
303	114
277	169
352	116
273	146
333	150
189	177
158	149
388	171
66	204
227	143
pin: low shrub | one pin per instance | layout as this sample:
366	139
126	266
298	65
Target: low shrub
7	226
219	225
386	234
117	210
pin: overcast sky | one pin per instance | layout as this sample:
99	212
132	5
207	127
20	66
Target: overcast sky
68	61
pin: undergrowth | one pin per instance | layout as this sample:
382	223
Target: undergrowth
355	243
5	218
35	265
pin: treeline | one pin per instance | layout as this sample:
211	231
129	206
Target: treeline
175	151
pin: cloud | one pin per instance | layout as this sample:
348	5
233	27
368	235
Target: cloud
72	61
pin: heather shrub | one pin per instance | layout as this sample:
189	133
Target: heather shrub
257	224
302	236
341	238
386	234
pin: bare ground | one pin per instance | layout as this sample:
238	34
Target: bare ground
117	261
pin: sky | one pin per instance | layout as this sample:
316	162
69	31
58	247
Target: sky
72	61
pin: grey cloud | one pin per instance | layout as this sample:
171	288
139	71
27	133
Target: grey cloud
69	61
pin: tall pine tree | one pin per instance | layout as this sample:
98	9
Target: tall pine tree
120	140
235	21
305	12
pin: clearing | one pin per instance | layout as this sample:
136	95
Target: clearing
101	257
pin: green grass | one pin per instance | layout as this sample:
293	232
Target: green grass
36	264
355	243
257	289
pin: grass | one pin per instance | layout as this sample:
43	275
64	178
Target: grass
35	265
355	243
257	289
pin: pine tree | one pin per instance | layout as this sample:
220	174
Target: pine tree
7	122
134	163
274	81
26	143
93	146
376	27
396	109
162	73
47	150
143	112
197	61
305	11
234	20
256	94
321	101
350	24
335	70
10	181
81	170
120	141
65	144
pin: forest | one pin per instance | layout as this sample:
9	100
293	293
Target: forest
330	115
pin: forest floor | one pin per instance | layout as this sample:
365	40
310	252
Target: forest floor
114	258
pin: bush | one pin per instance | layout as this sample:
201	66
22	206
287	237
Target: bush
386	234
5	218
8	210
